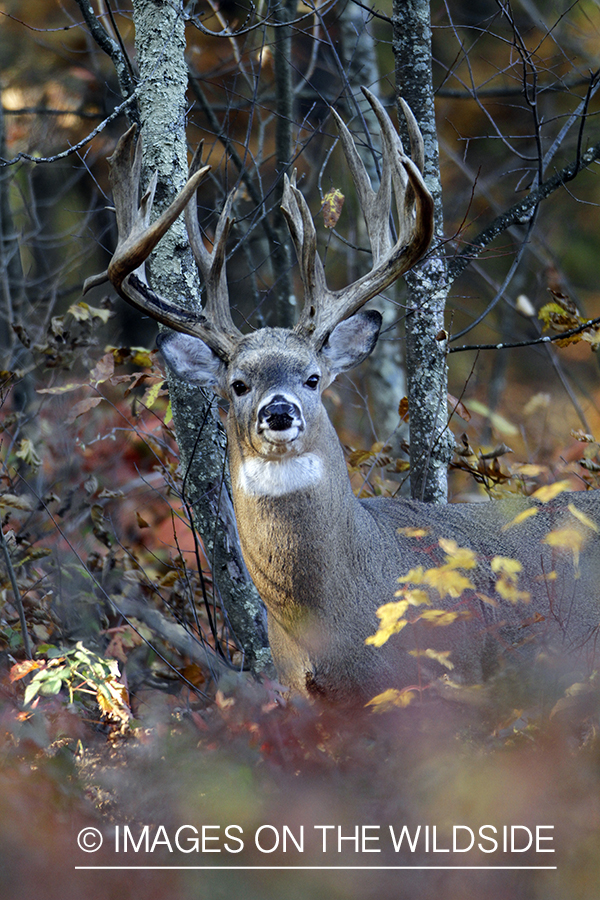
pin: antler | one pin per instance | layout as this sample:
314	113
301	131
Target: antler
137	238
324	309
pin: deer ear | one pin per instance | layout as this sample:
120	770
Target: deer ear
191	358
352	341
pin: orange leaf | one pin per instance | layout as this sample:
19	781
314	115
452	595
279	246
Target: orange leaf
20	670
104	369
403	409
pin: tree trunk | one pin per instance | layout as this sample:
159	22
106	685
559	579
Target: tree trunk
430	439
160	42
283	291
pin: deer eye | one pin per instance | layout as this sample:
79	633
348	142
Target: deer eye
240	388
312	382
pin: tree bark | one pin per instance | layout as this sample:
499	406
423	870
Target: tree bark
430	439
160	43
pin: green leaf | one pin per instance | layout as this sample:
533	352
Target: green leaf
30	691
52	686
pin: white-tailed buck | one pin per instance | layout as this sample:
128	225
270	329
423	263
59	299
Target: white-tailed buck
323	561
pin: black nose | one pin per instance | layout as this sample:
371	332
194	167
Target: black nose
279	414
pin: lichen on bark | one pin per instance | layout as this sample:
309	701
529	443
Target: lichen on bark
430	440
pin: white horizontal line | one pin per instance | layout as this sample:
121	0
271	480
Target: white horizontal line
319	868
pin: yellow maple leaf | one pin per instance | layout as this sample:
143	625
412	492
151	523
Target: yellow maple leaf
440	656
458	557
520	517
391	622
391	699
447	581
509	591
508	566
414	576
413	597
550	491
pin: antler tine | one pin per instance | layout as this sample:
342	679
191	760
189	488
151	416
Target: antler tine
302	230
137	238
212	265
324	309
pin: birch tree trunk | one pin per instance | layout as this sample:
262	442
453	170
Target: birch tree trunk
430	439
160	44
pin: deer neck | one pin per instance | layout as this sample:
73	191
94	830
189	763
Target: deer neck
296	519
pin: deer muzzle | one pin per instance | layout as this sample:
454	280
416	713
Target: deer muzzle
279	414
279	420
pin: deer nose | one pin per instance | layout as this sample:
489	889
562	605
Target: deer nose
279	414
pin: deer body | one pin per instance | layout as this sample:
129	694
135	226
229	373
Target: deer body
323	570
323	561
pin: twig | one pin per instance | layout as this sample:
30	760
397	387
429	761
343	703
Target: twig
114	51
76	147
547	339
520	212
16	593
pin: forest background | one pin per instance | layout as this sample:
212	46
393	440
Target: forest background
124	704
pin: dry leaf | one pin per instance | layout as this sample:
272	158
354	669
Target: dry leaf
333	201
82	407
141	522
403	409
459	407
103	370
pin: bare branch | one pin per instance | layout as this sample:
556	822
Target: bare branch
520	212
76	147
546	339
114	51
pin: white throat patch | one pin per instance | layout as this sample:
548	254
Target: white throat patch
273	478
